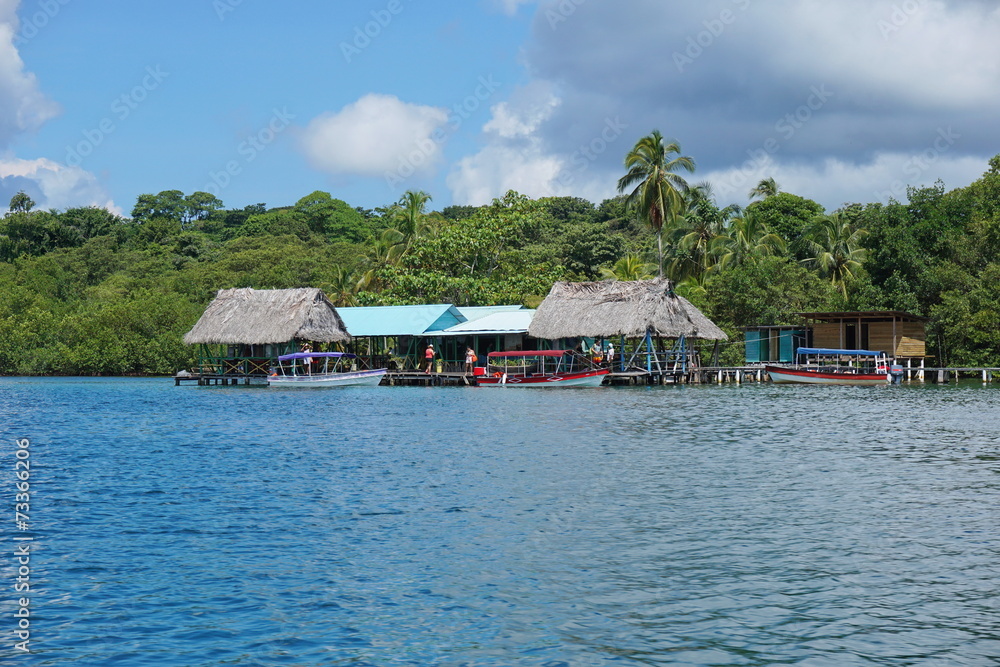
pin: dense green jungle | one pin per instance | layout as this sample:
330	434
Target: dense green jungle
89	292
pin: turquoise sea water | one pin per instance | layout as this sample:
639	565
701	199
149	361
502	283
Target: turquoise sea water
732	525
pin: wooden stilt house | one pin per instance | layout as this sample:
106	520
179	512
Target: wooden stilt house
636	316
242	331
897	334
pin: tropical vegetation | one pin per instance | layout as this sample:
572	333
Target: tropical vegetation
88	291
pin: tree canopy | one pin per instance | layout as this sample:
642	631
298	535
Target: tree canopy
88	291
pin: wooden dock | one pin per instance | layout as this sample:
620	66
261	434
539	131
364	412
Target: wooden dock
207	380
704	375
422	379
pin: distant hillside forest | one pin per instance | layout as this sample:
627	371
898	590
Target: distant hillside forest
90	292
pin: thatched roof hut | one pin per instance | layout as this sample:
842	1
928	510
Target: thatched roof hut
246	316
620	308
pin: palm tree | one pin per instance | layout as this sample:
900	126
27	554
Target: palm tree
343	287
697	232
693	287
387	248
629	267
747	237
657	193
410	218
767	187
833	246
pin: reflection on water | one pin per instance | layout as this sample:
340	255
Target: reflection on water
751	524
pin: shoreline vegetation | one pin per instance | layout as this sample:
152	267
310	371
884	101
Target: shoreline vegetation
91	293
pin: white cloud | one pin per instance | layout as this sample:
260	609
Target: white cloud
833	182
52	185
23	107
375	135
510	7
928	53
516	156
850	97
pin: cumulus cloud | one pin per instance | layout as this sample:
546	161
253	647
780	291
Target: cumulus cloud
514	157
834	183
23	107
848	93
376	135
51	185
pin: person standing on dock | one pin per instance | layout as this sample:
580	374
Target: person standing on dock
470	360
429	357
307	361
596	354
610	356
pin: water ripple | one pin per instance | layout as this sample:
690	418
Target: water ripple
750	525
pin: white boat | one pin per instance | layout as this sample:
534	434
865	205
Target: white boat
824	366
296	370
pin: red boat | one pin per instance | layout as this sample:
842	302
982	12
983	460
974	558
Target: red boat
540	368
866	368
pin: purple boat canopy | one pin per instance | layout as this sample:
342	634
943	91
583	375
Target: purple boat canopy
315	355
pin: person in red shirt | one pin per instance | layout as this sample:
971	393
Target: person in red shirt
429	357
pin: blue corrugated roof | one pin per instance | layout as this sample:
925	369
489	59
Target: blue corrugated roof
399	320
504	322
475	312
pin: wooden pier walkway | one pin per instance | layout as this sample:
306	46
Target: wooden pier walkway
210	380
703	375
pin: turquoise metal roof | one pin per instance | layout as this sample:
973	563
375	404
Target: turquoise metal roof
399	320
504	322
475	312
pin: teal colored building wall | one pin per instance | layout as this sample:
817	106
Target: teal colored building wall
771	345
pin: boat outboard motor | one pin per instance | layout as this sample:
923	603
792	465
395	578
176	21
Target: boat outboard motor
895	374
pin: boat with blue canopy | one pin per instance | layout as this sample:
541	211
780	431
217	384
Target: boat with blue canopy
820	365
322	369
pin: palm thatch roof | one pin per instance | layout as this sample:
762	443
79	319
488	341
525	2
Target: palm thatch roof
257	317
620	308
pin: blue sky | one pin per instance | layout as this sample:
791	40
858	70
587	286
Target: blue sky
840	102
